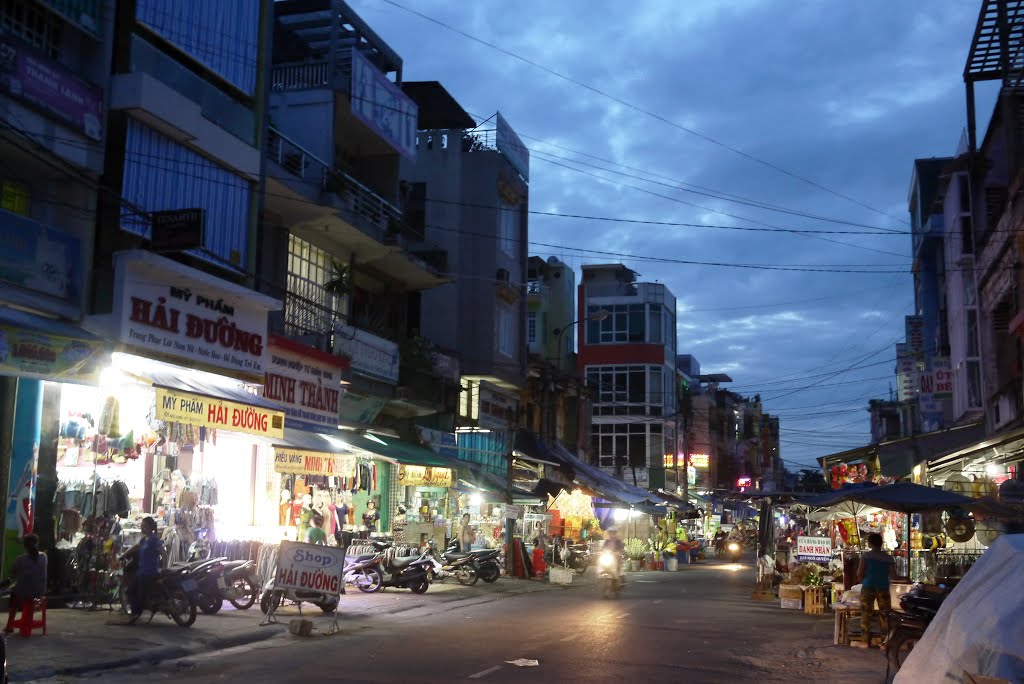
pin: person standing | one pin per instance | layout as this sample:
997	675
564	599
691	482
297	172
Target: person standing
875	571
149	557
466	535
29	575
316	533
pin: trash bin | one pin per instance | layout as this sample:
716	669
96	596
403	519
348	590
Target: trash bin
671	564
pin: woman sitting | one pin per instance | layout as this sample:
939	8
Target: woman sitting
29	574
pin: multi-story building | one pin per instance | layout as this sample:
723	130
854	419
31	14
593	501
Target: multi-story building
928	340
627	352
468	188
55	65
343	244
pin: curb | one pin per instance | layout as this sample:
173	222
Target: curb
149	657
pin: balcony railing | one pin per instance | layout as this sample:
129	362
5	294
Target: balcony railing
377	216
300	76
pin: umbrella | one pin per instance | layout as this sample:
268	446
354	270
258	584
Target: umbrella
844	509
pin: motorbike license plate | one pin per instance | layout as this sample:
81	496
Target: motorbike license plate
189	585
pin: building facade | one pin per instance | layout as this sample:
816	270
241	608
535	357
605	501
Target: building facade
627	353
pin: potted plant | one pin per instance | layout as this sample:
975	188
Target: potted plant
634	553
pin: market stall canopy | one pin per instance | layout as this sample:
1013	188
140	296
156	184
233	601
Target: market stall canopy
685	508
609	487
904	497
897	458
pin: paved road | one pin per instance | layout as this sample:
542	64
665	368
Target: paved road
696	625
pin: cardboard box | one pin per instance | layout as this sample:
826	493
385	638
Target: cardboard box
791	591
792	603
560	575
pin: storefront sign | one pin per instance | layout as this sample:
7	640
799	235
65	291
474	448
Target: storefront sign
176	230
424	476
511	511
200	411
511	147
370	355
174	310
30	76
299	462
31	354
914	329
814	549
700	460
39	258
307	383
309	567
381	105
497	411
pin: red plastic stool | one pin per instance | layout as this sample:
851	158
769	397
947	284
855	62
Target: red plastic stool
27	623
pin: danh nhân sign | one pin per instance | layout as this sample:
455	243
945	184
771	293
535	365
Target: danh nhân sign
815	549
200	411
424	476
300	462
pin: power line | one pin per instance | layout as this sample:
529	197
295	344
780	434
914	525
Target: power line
636	108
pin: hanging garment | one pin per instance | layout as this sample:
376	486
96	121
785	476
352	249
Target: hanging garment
118	501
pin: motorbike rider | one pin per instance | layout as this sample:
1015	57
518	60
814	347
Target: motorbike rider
613	543
149	555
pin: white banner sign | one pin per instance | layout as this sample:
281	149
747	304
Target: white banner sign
512	511
816	549
309	567
307	383
170	309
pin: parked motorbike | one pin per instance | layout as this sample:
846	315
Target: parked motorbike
222	580
406	572
170	595
609	574
363	571
461	566
486	561
907	627
575	556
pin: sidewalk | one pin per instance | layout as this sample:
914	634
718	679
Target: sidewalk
83	641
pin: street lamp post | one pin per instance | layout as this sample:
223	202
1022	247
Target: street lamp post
598	315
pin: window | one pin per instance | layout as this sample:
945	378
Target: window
531	327
33	24
651	323
509	229
627	390
620	444
972	332
504	329
308	307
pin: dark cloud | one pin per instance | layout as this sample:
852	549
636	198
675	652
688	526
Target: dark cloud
844	94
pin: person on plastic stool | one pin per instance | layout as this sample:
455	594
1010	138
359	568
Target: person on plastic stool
29	575
876	569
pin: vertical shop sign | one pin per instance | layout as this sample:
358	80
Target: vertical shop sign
306	382
914	329
21	490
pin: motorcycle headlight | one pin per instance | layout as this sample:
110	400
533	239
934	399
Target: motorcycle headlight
606	560
734	546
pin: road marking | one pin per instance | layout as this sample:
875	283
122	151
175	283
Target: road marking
624	615
658	601
484	673
571	637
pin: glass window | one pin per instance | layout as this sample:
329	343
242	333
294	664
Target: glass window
308	307
972	332
620	444
504	329
509	229
655	325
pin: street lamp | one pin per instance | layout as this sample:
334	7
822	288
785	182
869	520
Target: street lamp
598	315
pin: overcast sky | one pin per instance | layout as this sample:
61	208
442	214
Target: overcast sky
845	95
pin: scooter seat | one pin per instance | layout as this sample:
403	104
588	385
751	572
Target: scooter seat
364	557
403	562
456	556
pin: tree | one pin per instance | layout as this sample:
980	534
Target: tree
812	480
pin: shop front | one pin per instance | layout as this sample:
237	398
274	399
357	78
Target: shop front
175	427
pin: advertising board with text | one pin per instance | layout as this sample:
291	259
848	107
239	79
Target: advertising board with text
424	476
200	411
310	567
300	462
814	549
307	383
